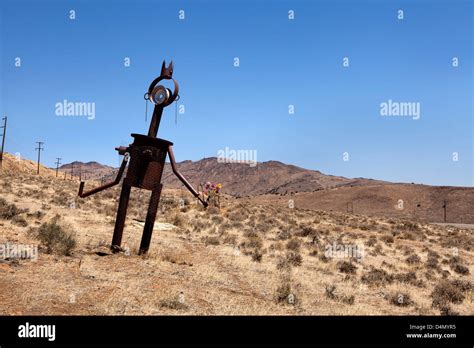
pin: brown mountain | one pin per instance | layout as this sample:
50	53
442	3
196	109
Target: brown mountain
88	170
272	177
276	183
238	179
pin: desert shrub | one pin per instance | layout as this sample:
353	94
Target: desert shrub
409	278
453	260
413	259
306	231
173	303
263	227
236	215
323	258
109	195
371	241
211	240
432	263
445	273
198	225
252	242
400	299
447	310
329	291
348	299
167	203
283	234
283	292
7	186
61	198
388	265
109	210
56	238
407	251
169	256
230	239
257	255
37	214
8	211
294	258
293	244
19	221
433	254
346	267
460	269
463	285
283	264
250	233
177	219
235	225
276	246
446	292
217	219
459	240
212	210
408	226
377	276
387	239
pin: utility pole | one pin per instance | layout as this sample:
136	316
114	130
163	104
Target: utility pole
80	173
445	203
58	162
3	138
39	148
72	169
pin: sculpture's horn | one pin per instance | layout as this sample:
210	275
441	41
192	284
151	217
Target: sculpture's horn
167	71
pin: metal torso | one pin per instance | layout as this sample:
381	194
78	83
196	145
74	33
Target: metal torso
147	161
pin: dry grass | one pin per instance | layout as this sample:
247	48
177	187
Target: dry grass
242	259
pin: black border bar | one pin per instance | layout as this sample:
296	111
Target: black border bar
259	330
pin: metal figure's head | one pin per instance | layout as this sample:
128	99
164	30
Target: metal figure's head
160	95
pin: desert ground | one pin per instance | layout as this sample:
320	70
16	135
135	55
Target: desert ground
247	257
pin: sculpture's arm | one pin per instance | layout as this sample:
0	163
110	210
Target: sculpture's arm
110	184
181	177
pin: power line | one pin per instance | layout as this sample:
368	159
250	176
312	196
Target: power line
58	162
39	148
3	139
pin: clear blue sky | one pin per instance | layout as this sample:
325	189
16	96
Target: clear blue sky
282	62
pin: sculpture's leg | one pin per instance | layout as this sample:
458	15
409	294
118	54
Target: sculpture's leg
121	215
150	220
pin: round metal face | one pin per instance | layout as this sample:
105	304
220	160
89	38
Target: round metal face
159	95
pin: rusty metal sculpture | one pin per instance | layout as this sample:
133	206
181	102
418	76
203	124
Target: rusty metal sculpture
146	160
